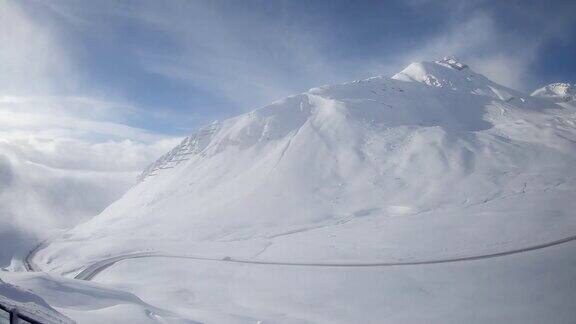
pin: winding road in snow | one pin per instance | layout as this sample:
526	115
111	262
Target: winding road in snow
94	269
29	259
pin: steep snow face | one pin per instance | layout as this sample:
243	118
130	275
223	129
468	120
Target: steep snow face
437	161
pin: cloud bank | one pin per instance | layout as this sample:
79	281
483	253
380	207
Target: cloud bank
65	153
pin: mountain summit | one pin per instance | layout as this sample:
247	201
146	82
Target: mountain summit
451	74
557	92
437	161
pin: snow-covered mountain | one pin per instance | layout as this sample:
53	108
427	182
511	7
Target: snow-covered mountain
557	92
564	94
437	161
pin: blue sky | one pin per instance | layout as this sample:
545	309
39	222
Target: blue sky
170	67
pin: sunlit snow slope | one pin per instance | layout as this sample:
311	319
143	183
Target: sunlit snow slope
437	161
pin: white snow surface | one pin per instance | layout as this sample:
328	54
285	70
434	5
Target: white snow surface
436	162
534	287
27	303
48	297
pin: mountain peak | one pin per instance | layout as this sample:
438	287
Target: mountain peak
559	91
447	72
452	74
452	62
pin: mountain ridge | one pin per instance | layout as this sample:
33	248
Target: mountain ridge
415	72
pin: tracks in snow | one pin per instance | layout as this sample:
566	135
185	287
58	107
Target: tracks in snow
29	259
93	270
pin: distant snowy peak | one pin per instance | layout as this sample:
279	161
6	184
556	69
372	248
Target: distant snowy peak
452	62
557	92
452	74
446	73
348	101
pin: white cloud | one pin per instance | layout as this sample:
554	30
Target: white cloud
65	159
61	165
62	158
69	116
66	180
509	70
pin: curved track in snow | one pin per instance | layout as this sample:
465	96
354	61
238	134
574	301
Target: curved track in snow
29	264
93	270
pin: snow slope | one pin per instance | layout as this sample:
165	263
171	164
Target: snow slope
83	302
534	287
28	304
435	162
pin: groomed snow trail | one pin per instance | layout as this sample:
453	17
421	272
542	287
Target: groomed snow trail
93	270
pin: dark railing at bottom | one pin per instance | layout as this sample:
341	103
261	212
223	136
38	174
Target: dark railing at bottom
12	316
